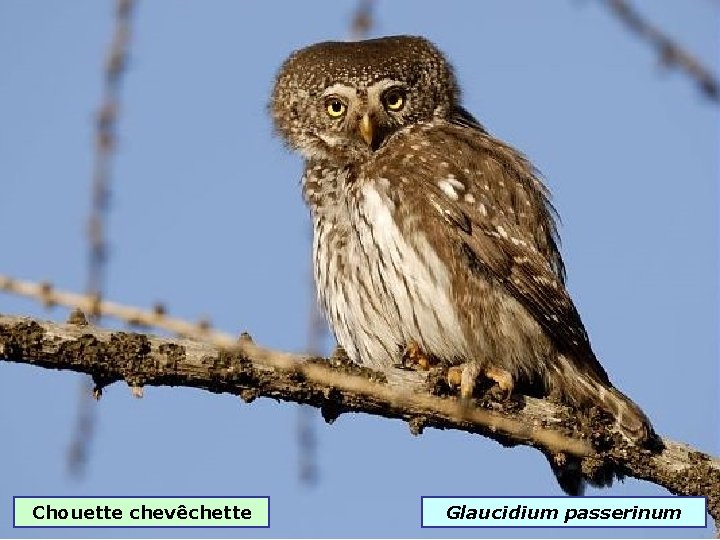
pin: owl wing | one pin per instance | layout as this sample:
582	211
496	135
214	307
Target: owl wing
506	256
499	220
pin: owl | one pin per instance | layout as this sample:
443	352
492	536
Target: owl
432	238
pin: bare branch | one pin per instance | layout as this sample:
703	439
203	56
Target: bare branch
307	441
157	317
105	140
250	371
218	362
362	20
45	293
105	127
360	25
669	52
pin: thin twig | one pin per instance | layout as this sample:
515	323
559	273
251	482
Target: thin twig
362	21
105	139
669	52
153	318
105	143
307	440
360	25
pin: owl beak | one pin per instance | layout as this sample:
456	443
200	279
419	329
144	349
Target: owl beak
367	129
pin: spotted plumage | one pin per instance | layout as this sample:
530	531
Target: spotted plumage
428	231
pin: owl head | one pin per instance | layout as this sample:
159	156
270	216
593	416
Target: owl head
341	101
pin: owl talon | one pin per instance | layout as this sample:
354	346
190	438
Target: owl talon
464	376
454	375
503	380
468	379
414	358
340	356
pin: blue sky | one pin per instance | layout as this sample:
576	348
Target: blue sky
207	216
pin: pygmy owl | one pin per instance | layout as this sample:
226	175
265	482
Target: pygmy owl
430	235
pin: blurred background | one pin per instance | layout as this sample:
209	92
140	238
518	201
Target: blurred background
205	215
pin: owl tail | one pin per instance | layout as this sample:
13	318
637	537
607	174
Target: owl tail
585	388
628	416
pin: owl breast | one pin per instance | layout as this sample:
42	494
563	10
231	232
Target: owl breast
381	285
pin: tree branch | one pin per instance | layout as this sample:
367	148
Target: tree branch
105	144
362	20
250	371
669	52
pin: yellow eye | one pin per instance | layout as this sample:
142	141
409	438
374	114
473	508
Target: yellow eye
394	99
335	108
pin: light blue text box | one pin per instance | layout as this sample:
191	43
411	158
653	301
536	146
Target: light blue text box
563	511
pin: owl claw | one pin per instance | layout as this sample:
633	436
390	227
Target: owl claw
502	378
468	378
465	377
454	375
340	356
414	358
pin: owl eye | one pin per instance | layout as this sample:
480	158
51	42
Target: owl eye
335	108
394	99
